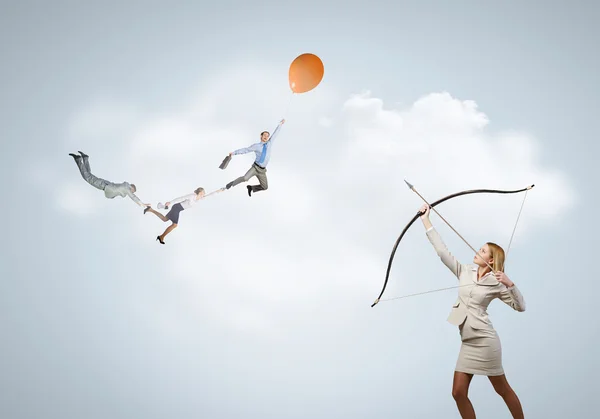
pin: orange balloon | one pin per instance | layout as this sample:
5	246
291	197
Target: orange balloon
306	72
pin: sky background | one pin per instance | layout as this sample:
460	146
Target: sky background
260	307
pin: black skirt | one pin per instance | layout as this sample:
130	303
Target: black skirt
173	215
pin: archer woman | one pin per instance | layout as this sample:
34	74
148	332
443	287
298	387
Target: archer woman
179	204
480	352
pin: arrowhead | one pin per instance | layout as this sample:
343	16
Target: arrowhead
409	185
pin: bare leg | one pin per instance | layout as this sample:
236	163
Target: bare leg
158	214
167	231
508	394
460	391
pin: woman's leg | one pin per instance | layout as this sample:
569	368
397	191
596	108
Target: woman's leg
167	231
158	214
508	394
460	391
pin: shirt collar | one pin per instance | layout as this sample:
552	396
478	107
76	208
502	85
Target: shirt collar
487	279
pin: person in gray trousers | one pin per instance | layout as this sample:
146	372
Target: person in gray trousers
111	190
262	151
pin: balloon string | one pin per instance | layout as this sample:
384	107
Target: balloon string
288	105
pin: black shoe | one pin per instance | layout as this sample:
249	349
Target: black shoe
228	185
75	156
249	190
146	209
83	154
158	238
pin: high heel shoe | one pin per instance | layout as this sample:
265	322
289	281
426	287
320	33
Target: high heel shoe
158	238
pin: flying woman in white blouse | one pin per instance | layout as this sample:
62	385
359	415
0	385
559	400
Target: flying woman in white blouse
179	204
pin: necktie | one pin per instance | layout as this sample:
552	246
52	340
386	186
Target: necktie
261	159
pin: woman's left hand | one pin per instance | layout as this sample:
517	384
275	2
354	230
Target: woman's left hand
503	279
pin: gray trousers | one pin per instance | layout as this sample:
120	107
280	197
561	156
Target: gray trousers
84	168
261	175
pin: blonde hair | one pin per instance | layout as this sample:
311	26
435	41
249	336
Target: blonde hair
197	191
497	255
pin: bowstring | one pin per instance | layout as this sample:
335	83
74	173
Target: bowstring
515	229
467	285
426	292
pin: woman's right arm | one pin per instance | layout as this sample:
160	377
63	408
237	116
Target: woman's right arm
438	244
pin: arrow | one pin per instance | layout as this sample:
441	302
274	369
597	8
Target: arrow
412	188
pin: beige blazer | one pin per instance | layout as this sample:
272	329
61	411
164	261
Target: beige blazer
474	296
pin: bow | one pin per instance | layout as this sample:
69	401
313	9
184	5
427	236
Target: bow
387	275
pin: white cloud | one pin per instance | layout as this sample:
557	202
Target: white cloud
440	145
336	189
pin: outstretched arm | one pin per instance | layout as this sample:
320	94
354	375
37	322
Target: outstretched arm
213	192
135	199
244	150
438	244
272	138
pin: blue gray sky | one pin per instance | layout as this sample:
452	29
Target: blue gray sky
260	307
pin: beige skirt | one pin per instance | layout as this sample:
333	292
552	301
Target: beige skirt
480	352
